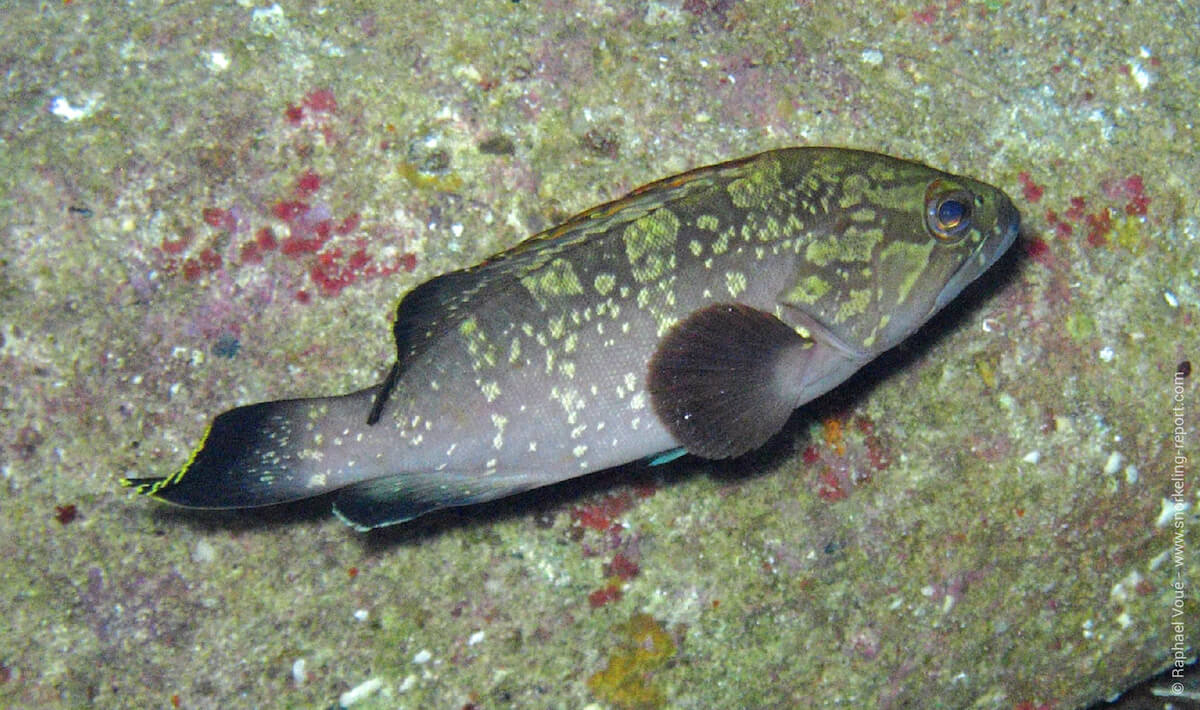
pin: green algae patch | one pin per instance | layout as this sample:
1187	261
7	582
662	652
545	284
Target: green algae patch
1128	233
423	180
628	679
1080	326
985	367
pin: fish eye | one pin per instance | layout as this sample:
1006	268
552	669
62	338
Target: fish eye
948	213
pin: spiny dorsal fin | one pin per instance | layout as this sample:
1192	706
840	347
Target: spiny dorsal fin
441	304
719	379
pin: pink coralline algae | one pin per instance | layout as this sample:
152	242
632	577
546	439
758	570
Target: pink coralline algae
301	225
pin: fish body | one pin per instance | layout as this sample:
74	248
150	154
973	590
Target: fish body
694	314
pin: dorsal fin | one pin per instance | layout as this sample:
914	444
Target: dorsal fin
427	311
440	304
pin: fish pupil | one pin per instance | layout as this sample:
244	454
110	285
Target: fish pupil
949	215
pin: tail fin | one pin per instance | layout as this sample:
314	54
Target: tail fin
269	453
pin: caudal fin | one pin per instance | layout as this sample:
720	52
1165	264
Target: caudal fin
269	453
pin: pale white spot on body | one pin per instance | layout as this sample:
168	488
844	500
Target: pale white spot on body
499	421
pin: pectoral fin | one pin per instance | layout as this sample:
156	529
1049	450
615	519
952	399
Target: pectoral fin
723	380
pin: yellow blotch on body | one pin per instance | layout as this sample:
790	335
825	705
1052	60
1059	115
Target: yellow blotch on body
557	278
735	281
650	244
604	283
808	290
759	188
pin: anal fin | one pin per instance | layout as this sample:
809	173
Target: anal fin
723	380
404	496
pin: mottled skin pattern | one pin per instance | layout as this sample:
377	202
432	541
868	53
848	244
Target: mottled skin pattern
790	269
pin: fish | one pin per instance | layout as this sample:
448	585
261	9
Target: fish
693	315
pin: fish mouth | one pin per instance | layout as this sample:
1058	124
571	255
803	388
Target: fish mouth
1008	222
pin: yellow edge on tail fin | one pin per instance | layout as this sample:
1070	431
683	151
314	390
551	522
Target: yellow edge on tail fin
151	486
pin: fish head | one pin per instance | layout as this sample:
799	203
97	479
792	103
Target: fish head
894	242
